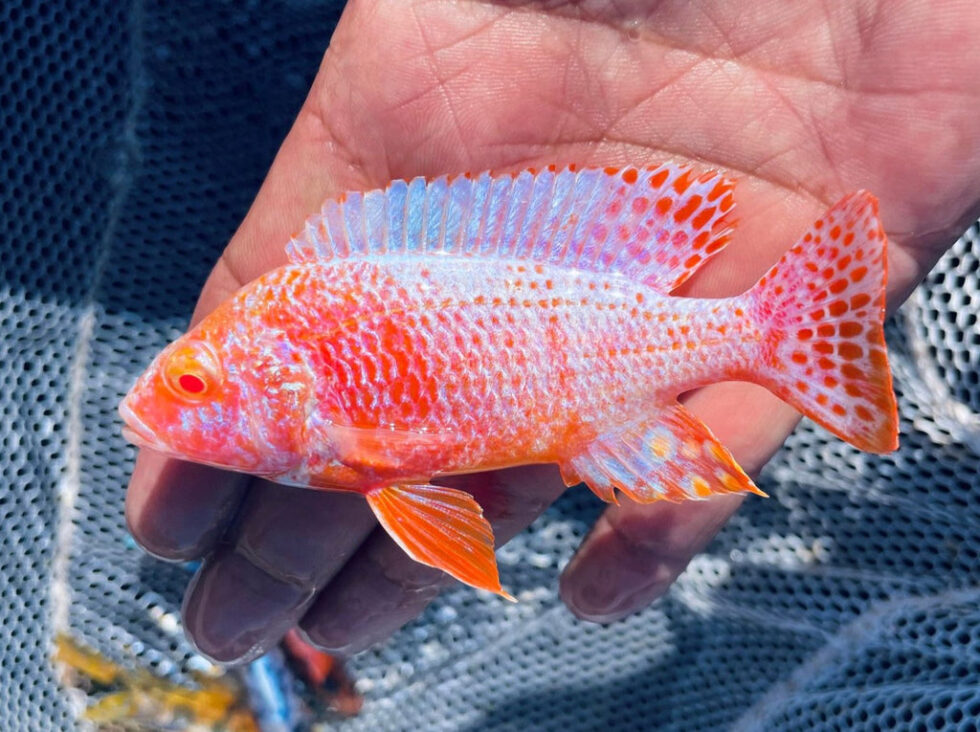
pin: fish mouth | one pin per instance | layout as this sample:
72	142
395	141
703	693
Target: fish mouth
137	431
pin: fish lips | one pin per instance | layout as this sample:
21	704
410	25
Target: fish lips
136	431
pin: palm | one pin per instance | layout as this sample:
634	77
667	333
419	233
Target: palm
799	106
799	111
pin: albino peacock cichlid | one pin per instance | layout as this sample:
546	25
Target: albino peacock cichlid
471	323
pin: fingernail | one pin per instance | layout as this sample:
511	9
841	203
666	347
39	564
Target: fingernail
607	590
604	597
233	611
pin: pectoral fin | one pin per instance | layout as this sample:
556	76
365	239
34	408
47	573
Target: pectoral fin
671	455
382	450
441	527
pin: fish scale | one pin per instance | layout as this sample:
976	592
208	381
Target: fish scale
457	352
471	323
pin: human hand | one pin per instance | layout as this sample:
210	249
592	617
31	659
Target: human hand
801	105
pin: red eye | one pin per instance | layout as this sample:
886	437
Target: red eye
191	371
191	383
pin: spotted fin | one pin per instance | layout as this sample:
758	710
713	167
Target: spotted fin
672	455
654	225
823	306
442	528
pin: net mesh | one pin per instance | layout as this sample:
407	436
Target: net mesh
132	139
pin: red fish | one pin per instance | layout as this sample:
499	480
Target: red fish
473	323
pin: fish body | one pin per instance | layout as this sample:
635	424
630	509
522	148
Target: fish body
453	326
487	367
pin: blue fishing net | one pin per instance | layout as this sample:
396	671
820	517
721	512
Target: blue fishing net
133	137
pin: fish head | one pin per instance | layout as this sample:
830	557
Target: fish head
217	397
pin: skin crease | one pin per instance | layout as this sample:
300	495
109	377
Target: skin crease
801	102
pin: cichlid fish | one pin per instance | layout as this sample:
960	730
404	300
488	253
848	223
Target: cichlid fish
473	323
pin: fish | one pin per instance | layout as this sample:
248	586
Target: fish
482	321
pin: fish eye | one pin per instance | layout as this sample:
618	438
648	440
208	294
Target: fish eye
191	371
192	383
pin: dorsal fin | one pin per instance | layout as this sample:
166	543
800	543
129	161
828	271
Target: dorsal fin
655	225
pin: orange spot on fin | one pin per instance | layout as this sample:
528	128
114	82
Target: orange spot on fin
442	528
672	455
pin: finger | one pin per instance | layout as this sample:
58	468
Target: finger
635	552
244	599
381	588
287	543
179	510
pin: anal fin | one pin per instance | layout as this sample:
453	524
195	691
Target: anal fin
442	528
671	455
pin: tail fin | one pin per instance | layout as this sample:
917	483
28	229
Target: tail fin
823	305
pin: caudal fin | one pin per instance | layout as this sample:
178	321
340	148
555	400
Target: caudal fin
823	306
